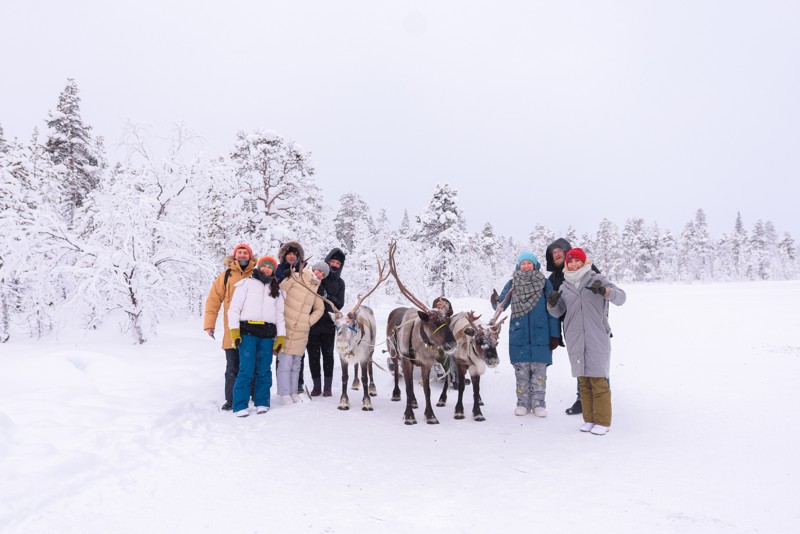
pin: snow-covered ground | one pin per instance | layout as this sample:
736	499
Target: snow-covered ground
97	435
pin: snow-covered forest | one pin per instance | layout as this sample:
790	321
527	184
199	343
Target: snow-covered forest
85	241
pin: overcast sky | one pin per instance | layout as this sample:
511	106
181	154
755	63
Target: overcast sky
560	112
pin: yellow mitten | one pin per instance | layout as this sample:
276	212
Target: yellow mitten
278	345
236	337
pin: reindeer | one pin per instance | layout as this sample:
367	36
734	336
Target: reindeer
415	337
476	348
355	341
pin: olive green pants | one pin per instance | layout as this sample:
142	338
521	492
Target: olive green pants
596	399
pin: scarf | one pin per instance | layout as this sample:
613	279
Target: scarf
528	286
575	277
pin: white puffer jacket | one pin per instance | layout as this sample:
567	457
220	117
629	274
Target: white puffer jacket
252	302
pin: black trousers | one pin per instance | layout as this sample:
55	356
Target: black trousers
320	342
231	371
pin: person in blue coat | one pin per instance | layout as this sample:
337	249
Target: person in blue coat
533	333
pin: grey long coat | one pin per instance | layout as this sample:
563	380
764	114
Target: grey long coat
586	329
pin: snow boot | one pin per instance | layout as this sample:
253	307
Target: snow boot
575	409
317	391
326	392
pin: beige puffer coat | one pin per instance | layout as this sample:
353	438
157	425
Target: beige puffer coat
302	309
222	293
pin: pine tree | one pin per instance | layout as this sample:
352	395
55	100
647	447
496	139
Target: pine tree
738	243
72	150
442	229
352	211
606	251
539	239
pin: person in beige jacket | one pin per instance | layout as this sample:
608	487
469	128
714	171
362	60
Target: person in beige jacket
302	309
238	266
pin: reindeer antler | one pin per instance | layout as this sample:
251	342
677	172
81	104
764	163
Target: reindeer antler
472	319
381	278
403	289
299	280
501	307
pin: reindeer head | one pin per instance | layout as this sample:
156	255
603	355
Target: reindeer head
351	329
484	339
435	330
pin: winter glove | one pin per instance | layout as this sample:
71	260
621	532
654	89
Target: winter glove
277	347
493	298
597	288
555	343
552	300
236	337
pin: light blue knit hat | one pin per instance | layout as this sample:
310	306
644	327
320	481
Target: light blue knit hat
525	255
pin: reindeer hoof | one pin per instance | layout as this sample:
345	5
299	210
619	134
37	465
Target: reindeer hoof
432	421
344	407
367	408
458	416
441	403
373	391
395	397
414	404
480	403
479	417
411	421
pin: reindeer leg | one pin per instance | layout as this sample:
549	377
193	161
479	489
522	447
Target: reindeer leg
356	384
411	402
477	402
344	401
396	390
443	396
462	371
366	401
373	391
430	418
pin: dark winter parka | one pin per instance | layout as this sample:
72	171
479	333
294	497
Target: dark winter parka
332	288
586	327
529	334
283	267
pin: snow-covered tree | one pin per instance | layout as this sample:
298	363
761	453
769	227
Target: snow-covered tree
539	239
73	150
353	211
442	230
277	186
606	250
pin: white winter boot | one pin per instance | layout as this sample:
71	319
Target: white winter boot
587	427
287	399
539	411
521	410
599	430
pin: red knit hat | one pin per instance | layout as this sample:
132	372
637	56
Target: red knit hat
576	254
268	259
244	246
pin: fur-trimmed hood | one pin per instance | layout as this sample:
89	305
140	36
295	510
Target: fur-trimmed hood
286	246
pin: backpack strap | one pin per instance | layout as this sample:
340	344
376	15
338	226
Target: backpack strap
225	281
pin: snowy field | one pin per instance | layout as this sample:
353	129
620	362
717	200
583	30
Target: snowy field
98	435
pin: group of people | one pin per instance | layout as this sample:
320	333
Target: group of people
273	307
574	300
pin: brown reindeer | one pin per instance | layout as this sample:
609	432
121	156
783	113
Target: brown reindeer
414	337
476	349
355	342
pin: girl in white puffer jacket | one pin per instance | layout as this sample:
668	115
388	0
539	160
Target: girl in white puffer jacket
257	327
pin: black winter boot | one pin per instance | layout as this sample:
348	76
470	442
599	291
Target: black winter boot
575	409
326	392
317	391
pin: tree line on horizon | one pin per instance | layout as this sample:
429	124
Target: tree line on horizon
85	241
